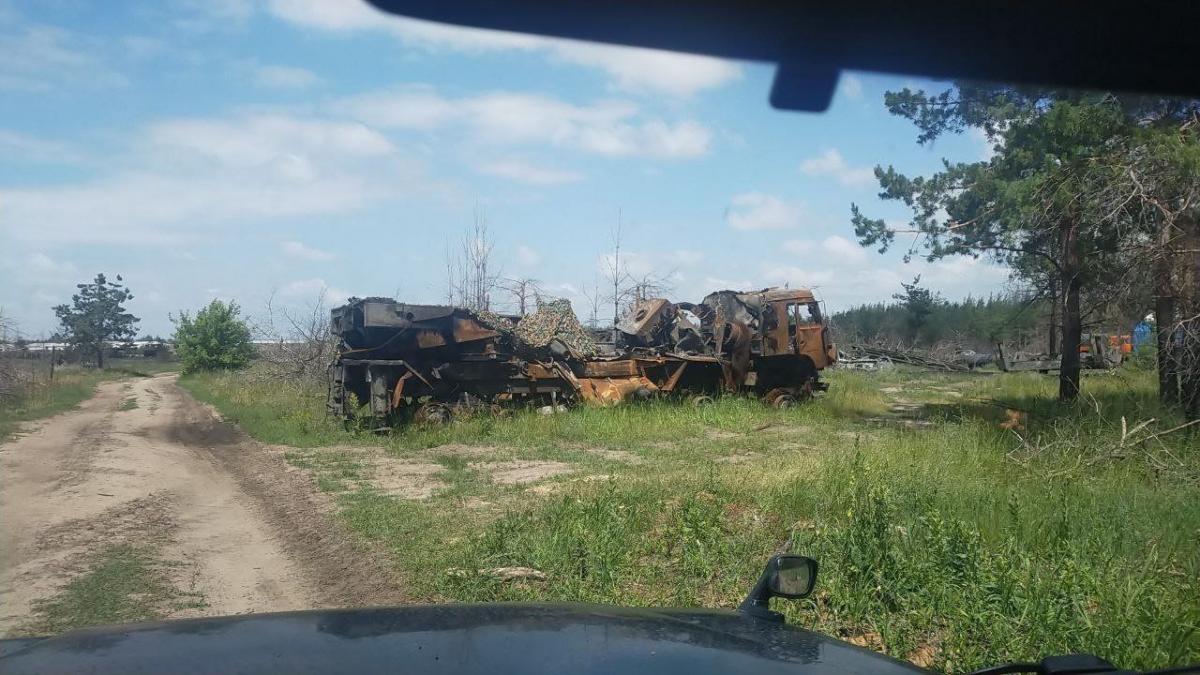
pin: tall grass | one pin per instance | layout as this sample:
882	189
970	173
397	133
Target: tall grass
39	396
956	544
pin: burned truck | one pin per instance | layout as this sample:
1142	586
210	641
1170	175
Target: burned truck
428	362
772	343
425	361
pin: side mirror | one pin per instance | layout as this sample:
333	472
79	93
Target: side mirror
794	576
786	576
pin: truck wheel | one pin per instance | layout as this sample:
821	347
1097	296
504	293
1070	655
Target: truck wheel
433	413
779	398
700	401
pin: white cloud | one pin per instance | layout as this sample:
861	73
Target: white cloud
296	249
528	257
987	149
851	86
831	163
525	172
844	249
962	275
629	68
185	175
613	128
652	263
845	282
797	277
285	77
254	141
650	70
17	146
721	284
684	257
799	246
41	264
310	290
41	58
758	211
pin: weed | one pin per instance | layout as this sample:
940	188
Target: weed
942	541
124	583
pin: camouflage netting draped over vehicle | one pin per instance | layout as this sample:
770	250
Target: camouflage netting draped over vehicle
489	319
553	319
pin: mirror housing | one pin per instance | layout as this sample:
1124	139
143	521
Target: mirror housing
785	576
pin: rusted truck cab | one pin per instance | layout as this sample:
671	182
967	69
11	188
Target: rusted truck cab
793	326
785	345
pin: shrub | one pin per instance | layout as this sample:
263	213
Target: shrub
216	339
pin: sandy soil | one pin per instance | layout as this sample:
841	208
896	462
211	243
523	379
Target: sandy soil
240	528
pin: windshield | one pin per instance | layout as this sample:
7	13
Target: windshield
304	305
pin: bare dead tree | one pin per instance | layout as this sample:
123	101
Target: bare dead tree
452	288
470	278
647	286
616	274
477	252
524	293
295	343
595	298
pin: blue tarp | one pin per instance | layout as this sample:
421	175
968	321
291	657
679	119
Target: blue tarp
1141	334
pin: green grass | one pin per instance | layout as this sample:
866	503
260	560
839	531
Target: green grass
123	584
71	386
69	389
957	543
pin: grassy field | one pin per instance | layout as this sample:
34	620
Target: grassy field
71	386
944	537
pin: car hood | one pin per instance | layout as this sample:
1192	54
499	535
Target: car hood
473	638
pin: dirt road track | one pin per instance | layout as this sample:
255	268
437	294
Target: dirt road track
241	528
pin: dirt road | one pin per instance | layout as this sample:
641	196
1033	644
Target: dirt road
142	463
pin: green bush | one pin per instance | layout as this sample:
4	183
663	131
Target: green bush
216	339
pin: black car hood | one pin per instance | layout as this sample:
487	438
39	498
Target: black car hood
482	638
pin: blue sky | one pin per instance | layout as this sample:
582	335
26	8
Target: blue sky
248	150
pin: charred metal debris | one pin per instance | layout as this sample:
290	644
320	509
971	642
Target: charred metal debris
404	362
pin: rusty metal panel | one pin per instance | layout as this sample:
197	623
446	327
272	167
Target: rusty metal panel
776	340
608	390
810	342
617	368
538	371
789	295
430	338
646	321
381	312
466	330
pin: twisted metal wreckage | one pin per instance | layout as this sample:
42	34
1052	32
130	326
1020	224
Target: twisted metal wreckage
428	362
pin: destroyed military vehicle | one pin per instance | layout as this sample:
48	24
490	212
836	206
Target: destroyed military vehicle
427	362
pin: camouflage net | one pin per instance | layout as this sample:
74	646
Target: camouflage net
555	319
490	319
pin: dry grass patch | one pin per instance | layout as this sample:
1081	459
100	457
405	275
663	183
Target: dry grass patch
521	472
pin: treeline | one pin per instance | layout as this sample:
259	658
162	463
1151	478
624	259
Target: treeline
973	323
1090	198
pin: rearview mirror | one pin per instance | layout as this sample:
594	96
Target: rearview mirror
786	576
794	576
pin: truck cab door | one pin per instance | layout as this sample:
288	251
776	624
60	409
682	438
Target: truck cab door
811	333
777	329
